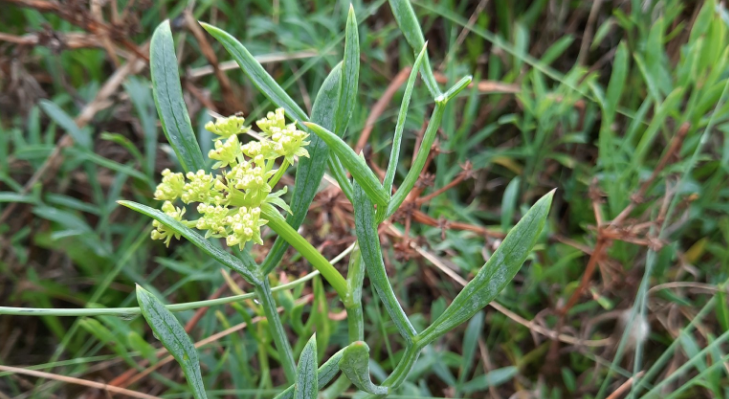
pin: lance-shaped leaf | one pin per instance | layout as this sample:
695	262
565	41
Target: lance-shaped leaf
170	103
286	355
410	27
361	173
494	275
400	126
325	374
307	383
309	171
248	269
355	364
369	243
350	74
173	336
260	78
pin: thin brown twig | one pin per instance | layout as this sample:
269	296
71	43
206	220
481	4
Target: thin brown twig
624	387
78	381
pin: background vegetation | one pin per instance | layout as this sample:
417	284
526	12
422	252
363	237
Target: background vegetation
620	105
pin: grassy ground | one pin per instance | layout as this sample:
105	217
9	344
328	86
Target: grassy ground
621	106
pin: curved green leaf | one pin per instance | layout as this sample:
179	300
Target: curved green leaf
248	269
260	78
400	126
369	243
355	365
307	384
173	336
309	171
494	275
278	333
361	173
170	103
350	75
410	27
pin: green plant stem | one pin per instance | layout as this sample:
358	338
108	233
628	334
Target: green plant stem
353	303
403	368
286	355
320	263
340	174
279	173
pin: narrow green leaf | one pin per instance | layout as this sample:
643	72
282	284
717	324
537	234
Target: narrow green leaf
664	110
82	137
470	342
414	173
276	329
361	173
369	242
169	100
260	78
408	23
490	379
494	275
173	336
455	89
355	279
309	171
508	203
307	384
355	365
325	374
248	269
400	126
350	75
137	343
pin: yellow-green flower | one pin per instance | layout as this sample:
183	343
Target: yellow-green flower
226	153
215	220
226	127
201	187
273	120
259	151
171	186
162	232
289	142
246	226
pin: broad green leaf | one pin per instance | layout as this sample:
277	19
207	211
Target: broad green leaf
361	173
355	365
169	100
350	75
307	384
410	27
248	269
369	243
325	374
260	78
400	126
309	171
82	137
494	275
173	336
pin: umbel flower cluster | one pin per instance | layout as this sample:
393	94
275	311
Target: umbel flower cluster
229	201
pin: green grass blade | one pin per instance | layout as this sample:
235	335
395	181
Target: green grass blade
173	336
495	274
80	136
355	365
361	173
260	78
455	89
309	171
350	75
470	343
169	100
401	118
249	271
369	242
307	384
325	374
276	329
410	27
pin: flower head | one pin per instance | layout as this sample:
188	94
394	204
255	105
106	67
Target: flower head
226	153
171	186
226	127
289	142
162	232
273	120
246	226
201	187
214	220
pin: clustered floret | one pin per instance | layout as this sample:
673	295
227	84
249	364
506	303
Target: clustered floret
229	201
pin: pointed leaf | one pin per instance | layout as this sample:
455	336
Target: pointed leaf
350	75
260	78
247	269
173	336
325	374
494	275
80	136
170	103
355	364
307	384
361	173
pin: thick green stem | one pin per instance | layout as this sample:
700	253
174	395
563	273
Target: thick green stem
279	173
320	263
286	355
